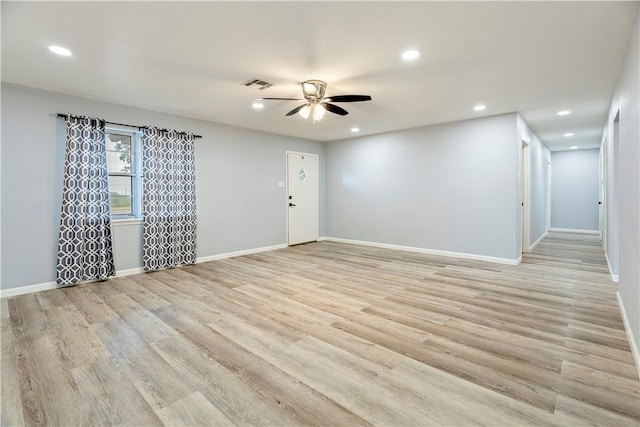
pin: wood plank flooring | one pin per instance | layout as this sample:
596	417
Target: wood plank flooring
328	334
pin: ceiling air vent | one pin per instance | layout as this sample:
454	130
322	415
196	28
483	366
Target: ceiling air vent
260	84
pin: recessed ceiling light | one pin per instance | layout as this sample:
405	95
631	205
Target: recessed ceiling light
574	147
480	107
564	113
409	55
568	134
355	129
59	50
257	105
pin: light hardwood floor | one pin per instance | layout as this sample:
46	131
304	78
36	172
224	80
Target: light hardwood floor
328	334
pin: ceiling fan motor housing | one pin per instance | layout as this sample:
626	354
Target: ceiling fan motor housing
314	90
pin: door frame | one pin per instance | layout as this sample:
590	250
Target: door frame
602	193
547	219
286	195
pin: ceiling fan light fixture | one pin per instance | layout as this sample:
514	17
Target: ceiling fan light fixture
305	111
318	112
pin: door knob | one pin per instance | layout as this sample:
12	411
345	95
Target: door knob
291	204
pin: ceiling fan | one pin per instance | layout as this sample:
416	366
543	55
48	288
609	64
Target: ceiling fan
317	104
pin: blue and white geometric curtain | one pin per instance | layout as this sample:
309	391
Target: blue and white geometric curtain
84	245
168	199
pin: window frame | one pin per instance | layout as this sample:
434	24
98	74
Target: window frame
135	174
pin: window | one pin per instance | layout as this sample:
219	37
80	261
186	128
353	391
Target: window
125	177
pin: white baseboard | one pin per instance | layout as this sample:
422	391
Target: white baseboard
12	292
627	327
427	251
572	230
21	290
129	272
532	247
614	277
240	253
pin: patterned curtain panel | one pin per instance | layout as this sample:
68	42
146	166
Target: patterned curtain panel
168	199
84	246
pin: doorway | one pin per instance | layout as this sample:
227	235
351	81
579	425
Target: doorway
302	198
611	237
524	181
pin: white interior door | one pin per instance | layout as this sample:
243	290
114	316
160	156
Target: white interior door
302	198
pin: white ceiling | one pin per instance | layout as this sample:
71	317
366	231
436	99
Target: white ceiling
190	58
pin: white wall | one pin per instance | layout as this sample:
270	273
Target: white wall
451	187
239	205
575	189
626	102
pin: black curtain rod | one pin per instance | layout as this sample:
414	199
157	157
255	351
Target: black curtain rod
123	124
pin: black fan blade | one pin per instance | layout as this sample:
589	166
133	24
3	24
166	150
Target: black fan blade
335	109
349	98
281	99
295	110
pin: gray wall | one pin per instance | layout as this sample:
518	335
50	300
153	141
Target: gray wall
575	189
627	184
239	204
451	187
